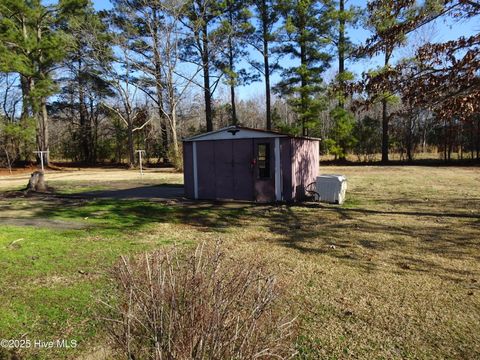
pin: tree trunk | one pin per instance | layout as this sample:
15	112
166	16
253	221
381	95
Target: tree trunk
268	99
25	84
118	144
303	62
131	145
37	182
8	160
42	130
472	141
445	135
95	141
94	130
232	80
234	107
266	62
341	54
206	79
341	69
175	148
84	128
42	115
424	139
165	142
385	137
478	139
159	88
410	137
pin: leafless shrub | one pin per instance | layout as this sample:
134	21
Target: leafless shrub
198	305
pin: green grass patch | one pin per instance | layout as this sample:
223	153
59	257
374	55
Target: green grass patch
50	275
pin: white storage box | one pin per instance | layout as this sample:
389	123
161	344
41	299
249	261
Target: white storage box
331	188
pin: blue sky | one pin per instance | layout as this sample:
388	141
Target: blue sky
441	30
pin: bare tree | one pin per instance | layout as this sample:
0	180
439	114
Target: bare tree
10	98
126	91
12	133
158	61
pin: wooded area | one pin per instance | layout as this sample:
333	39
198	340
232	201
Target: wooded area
93	86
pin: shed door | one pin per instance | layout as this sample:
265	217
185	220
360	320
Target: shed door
224	169
233	169
206	169
264	170
243	169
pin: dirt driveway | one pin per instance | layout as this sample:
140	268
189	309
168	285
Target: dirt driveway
93	180
154	184
96	176
73	187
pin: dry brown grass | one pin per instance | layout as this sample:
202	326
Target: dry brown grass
395	273
107	178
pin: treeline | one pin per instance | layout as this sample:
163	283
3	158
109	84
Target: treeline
93	86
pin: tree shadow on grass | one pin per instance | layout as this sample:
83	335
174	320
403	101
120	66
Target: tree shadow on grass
153	192
135	215
354	236
358	236
347	211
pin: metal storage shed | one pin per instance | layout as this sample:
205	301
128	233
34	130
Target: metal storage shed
239	163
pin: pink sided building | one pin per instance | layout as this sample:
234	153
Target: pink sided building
239	163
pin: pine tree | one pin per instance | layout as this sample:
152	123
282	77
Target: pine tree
306	24
383	16
266	13
341	137
32	44
203	44
235	28
85	86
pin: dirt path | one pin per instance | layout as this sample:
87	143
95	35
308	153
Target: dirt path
43	223
95	175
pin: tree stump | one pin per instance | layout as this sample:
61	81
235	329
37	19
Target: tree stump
37	182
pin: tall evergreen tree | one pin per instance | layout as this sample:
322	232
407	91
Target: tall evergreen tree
341	137
203	44
85	86
382	16
307	24
235	28
267	16
32	44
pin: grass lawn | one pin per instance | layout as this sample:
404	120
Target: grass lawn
393	273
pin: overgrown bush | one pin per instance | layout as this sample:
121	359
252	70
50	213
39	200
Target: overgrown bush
197	305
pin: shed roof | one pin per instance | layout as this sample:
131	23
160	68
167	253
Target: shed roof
241	132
